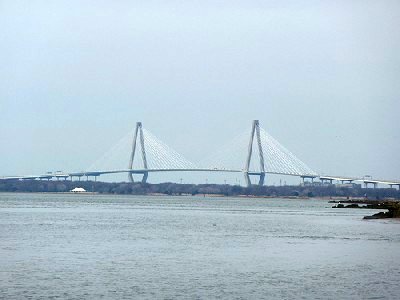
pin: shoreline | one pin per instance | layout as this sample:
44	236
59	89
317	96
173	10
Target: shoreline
330	199
329	192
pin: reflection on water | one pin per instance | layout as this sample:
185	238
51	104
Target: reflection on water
92	246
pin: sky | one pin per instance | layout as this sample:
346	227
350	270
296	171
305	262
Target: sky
322	77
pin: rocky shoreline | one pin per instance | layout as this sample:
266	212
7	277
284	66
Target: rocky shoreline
393	207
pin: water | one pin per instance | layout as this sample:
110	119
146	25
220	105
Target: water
123	247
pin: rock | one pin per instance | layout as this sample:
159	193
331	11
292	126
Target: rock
394	211
380	215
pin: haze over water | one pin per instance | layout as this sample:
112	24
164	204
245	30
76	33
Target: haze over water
92	246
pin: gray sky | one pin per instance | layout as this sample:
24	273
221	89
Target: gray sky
322	77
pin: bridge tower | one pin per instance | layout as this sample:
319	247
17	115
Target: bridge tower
138	131
255	130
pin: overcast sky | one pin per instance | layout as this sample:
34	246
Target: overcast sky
323	78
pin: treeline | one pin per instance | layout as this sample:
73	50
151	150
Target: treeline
138	188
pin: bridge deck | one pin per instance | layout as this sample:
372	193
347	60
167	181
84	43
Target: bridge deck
145	171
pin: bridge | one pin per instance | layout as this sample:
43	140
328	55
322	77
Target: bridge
260	152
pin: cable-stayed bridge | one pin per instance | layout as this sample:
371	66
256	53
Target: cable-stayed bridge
255	154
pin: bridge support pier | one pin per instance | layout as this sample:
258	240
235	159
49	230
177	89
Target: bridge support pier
310	177
375	184
247	179
262	178
255	130
138	131
349	181
394	185
144	178
325	179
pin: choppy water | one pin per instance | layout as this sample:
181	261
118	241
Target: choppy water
116	247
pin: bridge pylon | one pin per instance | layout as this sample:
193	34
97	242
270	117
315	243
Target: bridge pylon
255	130
138	132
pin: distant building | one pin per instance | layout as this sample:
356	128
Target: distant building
78	190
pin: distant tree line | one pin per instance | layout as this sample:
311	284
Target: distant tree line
169	188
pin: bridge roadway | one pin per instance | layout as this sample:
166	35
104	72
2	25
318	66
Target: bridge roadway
342	179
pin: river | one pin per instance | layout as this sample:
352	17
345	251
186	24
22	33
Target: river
65	246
